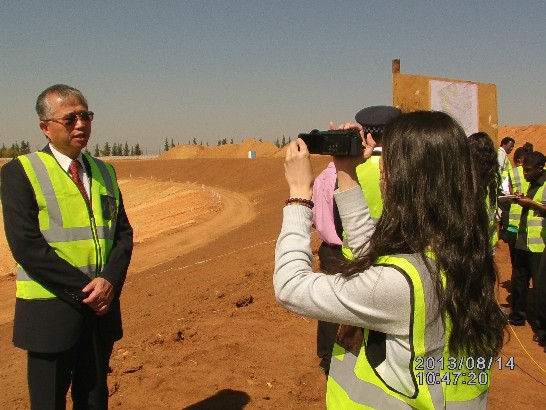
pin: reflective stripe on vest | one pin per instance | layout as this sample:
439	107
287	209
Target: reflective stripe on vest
368	178
536	224
520	185
82	239
354	384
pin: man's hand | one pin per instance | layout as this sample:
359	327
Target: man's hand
522	201
346	166
101	295
526	202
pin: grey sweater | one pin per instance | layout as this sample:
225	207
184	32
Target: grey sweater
377	299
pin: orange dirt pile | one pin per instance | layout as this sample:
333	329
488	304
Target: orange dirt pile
262	150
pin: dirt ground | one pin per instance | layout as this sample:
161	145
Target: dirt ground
202	328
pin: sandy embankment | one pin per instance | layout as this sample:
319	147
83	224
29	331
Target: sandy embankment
169	219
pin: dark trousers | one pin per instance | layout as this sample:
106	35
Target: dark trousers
85	366
331	259
526	266
510	239
540	298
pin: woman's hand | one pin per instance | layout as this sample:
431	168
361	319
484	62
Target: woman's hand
298	170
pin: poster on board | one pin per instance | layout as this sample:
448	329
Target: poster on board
458	99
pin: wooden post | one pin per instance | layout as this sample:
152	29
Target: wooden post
395	71
396	66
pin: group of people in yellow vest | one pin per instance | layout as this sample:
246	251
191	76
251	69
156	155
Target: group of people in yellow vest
419	323
523	227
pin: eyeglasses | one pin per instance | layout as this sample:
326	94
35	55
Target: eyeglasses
71	119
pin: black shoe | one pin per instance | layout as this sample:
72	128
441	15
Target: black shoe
541	339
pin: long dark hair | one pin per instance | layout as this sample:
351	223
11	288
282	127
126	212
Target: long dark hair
434	201
484	154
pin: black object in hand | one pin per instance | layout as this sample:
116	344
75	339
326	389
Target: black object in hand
340	143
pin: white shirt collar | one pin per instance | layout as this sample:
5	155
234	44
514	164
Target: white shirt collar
63	160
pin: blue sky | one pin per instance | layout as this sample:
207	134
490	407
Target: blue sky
257	69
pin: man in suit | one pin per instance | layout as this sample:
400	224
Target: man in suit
67	229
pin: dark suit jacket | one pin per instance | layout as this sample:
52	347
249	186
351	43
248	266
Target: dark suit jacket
54	325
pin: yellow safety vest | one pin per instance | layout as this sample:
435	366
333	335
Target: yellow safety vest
536	224
80	235
368	176
438	382
519	184
506	167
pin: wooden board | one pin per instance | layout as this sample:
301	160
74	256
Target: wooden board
412	92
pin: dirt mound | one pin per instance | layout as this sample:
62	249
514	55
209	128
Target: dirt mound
263	150
535	134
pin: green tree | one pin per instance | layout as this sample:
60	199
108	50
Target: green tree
97	151
172	143
126	149
105	152
137	149
166	145
25	148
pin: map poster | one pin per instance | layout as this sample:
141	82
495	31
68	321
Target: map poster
460	100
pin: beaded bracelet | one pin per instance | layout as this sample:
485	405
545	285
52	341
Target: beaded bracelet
300	201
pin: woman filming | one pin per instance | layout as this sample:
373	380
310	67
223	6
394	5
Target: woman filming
423	328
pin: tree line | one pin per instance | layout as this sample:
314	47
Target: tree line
119	150
116	150
16	149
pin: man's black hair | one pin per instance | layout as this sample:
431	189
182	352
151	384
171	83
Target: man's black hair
506	140
534	159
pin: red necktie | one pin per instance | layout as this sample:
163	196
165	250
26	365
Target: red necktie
73	170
